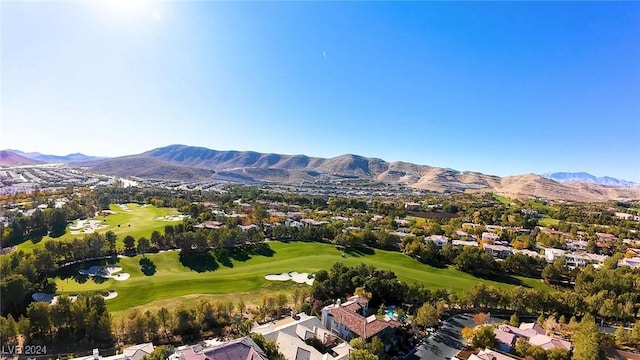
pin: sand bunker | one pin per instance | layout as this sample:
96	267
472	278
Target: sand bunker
172	218
121	276
124	207
107	272
111	295
86	226
300	278
53	299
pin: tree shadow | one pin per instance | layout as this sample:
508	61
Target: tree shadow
198	261
98	279
435	263
147	266
503	278
263	250
357	251
223	257
239	254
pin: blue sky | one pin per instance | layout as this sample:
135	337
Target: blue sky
502	88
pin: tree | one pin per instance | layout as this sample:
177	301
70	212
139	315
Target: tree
143	245
622	336
558	354
362	355
269	346
514	320
161	352
129	242
480	318
281	302
9	329
164	316
484	337
110	238
39	314
427	316
156	239
522	347
57	221
475	260
358	343
480	337
635	333
376	347
586	340
14	289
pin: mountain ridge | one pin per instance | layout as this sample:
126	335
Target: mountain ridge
183	162
252	166
47	158
567	177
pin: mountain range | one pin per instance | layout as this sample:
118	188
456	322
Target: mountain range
66	159
567	177
182	162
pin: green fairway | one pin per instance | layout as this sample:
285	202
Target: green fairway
539	206
135	220
244	273
548	222
503	199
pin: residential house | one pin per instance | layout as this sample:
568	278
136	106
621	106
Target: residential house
439	240
582	259
464	243
507	335
489	237
209	225
577	245
605	236
493	228
245	228
239	349
134	352
528	252
304	337
313	223
293	223
497	251
348	320
412	206
402	222
633	262
488	354
551	254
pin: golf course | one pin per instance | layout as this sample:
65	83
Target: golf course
166	277
125	219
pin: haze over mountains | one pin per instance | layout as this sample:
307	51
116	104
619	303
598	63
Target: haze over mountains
66	159
565	177
181	162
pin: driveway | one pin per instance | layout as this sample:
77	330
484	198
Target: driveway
445	343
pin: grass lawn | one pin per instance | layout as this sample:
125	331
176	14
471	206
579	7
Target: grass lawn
136	221
242	275
420	221
548	222
539	206
503	199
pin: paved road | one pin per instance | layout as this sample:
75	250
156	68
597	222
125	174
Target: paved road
445	343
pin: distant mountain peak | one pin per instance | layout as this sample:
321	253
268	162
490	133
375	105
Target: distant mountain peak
45	158
568	177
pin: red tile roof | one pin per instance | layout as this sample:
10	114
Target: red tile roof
358	324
